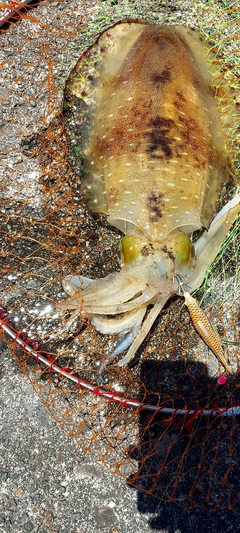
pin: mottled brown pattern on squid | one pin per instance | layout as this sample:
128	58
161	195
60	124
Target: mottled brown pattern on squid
149	128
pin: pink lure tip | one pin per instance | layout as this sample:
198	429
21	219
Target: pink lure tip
222	380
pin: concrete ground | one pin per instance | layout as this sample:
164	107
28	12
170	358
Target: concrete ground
49	485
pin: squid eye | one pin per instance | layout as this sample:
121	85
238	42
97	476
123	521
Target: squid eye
130	248
182	247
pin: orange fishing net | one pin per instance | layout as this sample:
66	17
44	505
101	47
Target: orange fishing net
169	422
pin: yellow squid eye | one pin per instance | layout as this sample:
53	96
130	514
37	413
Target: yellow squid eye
182	247
130	248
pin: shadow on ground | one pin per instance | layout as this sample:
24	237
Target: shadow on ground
188	466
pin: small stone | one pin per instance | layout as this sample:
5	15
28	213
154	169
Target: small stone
75	516
28	526
104	517
111	504
20	101
85	471
18	159
48	520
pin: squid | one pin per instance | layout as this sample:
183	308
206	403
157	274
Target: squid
154	161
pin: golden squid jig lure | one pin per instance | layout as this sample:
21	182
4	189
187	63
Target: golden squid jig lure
154	160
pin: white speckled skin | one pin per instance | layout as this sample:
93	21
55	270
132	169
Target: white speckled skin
154	163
